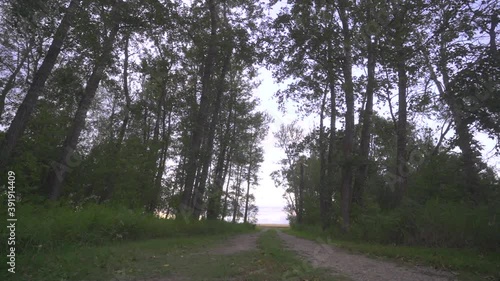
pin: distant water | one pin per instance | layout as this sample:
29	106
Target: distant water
271	215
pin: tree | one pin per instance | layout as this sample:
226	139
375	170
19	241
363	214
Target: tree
56	176
25	110
289	138
305	43
450	48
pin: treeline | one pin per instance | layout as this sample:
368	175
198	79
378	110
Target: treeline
143	104
400	89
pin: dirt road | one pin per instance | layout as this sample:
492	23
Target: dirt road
286	257
359	267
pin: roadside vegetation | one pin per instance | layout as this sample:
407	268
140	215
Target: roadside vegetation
467	264
41	228
58	239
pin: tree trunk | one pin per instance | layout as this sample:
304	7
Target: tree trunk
27	107
226	194
237	195
128	101
10	81
401	165
331	149
347	168
214	199
115	154
323	184
300	201
248	185
198	131
364	147
465	138
166	132
56	176
208	151
158	150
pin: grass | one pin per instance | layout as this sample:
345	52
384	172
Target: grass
117	261
174	258
469	264
64	243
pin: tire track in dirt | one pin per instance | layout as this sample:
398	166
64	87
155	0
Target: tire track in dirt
236	244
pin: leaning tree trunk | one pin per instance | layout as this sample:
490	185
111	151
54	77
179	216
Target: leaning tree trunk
465	139
56	176
12	78
128	100
27	107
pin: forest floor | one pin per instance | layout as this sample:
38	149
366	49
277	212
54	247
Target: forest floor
265	255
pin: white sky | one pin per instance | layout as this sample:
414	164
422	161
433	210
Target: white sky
268	197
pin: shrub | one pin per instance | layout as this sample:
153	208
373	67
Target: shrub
42	227
443	224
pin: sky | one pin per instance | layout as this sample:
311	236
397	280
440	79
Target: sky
269	198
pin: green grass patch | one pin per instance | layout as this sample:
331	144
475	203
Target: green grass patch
468	263
115	261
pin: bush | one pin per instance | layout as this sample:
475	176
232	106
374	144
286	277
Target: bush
458	225
435	224
41	228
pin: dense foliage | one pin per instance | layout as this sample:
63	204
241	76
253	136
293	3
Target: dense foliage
142	104
402	90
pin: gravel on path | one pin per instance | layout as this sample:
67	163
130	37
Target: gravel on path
359	267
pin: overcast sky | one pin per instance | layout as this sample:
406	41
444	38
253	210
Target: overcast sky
270	199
